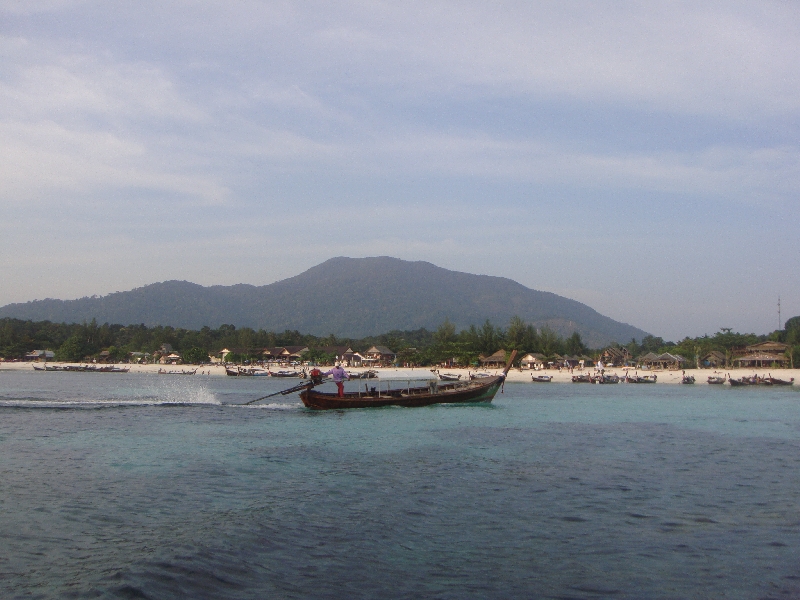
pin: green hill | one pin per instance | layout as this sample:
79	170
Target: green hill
349	297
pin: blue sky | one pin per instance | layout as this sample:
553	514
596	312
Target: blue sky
642	158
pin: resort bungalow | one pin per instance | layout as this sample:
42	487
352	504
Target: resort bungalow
532	360
498	359
615	356
138	357
379	355
764	354
713	360
171	359
662	361
40	355
344	354
284	353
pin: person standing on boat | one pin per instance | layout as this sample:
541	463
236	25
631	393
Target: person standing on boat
339	375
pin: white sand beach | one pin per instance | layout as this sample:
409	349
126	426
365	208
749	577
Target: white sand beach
515	375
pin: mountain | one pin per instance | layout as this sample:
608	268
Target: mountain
349	297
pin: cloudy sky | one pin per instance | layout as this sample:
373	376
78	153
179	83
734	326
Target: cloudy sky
643	158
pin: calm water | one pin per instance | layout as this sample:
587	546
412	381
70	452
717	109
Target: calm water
136	486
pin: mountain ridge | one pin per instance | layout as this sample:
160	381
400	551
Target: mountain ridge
349	297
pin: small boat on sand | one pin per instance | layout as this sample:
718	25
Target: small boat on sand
448	377
239	372
453	392
370	374
586	378
479	375
776	381
176	372
541	378
641	379
288	374
687	379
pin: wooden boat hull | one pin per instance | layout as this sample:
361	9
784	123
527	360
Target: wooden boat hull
453	393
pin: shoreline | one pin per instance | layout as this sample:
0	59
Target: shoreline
514	376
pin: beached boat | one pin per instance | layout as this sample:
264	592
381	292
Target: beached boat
740	382
641	379
363	374
586	378
288	374
455	392
603	378
541	378
181	372
480	375
716	380
776	381
239	372
688	379
448	377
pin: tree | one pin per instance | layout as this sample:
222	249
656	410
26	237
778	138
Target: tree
549	341
516	334
446	333
72	350
195	356
574	345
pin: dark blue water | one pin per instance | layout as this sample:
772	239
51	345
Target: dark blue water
136	486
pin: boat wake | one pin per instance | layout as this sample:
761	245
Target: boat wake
195	397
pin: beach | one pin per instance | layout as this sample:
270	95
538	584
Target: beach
514	375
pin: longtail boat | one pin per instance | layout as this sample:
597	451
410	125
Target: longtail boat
715	380
456	392
541	378
776	381
641	379
371	374
239	372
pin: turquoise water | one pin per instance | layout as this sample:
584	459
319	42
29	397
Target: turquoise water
137	486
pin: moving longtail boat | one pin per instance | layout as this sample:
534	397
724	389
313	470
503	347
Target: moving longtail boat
456	392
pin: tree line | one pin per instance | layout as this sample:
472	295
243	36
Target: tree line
75	342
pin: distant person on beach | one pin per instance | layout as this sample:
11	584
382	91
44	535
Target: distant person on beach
339	375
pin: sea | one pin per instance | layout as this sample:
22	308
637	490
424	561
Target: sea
153	486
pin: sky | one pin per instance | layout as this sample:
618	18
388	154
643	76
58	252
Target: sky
640	157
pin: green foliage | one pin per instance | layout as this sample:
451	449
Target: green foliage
72	350
574	345
195	356
74	342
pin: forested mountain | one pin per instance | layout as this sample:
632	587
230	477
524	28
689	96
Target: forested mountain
348	297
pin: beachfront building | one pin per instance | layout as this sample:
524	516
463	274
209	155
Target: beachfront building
713	360
284	353
615	356
498	359
138	357
661	361
532	360
343	354
40	355
764	354
379	355
171	359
